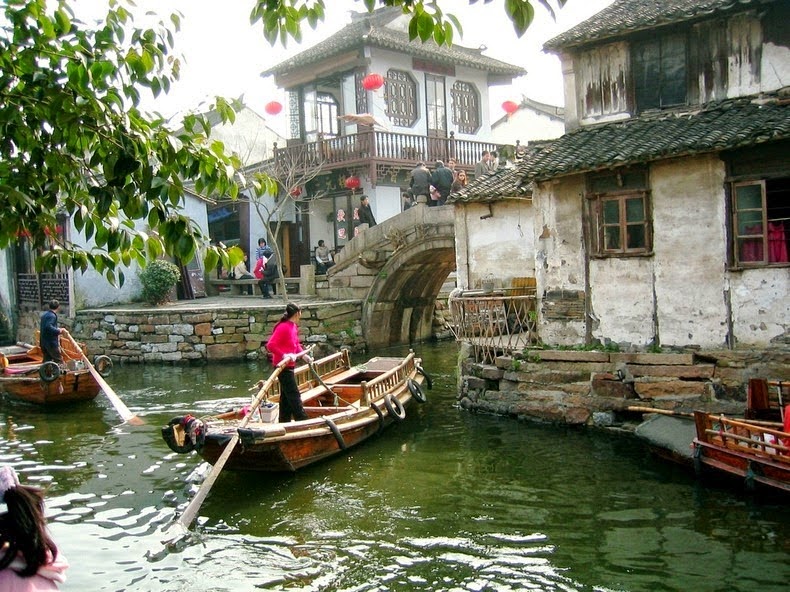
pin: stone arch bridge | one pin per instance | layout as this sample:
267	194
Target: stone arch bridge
396	269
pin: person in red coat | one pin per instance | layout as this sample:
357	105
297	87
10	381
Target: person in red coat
284	345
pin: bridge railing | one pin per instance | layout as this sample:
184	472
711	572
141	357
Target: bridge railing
494	323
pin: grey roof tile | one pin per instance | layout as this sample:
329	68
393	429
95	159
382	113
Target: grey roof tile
371	30
628	16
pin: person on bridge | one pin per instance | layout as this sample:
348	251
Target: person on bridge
284	345
442	179
420	183
483	167
365	213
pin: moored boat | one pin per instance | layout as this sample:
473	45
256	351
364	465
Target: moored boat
25	375
758	452
345	405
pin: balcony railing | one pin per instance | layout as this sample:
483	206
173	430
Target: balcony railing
384	147
494	324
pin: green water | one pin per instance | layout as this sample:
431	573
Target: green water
447	500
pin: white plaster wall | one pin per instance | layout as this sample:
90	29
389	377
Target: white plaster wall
249	136
6	289
382	60
760	305
385	202
690	247
622	301
91	289
501	245
774	67
526	125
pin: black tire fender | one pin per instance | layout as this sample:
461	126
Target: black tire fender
103	365
380	414
49	371
416	390
428	379
336	432
191	427
395	407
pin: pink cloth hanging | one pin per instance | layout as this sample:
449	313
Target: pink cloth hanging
777	243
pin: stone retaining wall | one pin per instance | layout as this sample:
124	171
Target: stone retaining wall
198	335
579	387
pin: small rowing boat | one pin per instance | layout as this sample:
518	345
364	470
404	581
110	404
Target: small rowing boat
345	404
26	377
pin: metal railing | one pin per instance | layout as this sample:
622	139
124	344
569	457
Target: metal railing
494	324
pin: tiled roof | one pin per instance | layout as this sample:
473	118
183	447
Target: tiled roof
370	30
735	123
628	16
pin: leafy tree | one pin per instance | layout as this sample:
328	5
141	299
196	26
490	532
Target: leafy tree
74	143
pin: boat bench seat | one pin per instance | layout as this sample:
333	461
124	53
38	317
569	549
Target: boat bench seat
342	376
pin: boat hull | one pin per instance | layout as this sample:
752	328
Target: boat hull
345	407
71	386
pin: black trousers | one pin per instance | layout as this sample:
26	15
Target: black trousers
290	399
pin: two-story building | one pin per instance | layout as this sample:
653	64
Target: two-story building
662	216
365	106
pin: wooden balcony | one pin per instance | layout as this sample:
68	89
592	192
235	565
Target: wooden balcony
371	148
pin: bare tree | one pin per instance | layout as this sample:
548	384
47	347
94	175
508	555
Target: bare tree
291	169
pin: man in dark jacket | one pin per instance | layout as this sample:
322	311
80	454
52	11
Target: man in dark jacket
49	333
365	213
442	179
420	182
270	273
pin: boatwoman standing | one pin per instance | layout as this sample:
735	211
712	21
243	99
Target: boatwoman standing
284	345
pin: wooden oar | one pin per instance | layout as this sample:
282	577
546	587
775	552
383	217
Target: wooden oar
122	409
192	509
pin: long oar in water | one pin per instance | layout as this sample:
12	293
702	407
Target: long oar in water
192	509
122	409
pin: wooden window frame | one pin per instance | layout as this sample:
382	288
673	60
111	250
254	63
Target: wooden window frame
400	96
752	249
664	88
466	107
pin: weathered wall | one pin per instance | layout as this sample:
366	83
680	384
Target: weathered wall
584	388
496	241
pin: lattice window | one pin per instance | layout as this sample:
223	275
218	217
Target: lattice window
466	107
294	115
621	213
400	95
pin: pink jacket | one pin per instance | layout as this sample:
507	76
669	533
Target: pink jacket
284	340
47	578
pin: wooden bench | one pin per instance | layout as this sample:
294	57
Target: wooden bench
234	287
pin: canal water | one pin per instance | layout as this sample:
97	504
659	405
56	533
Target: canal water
447	500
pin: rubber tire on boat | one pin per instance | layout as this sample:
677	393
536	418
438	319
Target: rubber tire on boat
428	379
395	407
336	432
416	390
381	416
168	436
103	365
49	371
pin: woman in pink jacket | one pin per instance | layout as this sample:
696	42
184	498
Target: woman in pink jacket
29	559
284	345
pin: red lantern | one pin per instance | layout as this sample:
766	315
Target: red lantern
510	107
352	183
373	82
273	108
296	191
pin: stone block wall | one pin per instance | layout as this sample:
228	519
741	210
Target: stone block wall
198	336
580	387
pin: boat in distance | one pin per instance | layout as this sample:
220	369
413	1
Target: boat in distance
346	404
26	377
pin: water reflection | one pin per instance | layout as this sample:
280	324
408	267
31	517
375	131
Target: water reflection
447	500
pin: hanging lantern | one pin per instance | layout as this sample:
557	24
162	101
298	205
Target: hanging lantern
296	191
352	183
510	107
373	82
273	108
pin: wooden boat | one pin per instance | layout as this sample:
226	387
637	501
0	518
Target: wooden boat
755	450
345	407
752	450
25	375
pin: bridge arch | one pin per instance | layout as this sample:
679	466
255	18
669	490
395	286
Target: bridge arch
397	269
